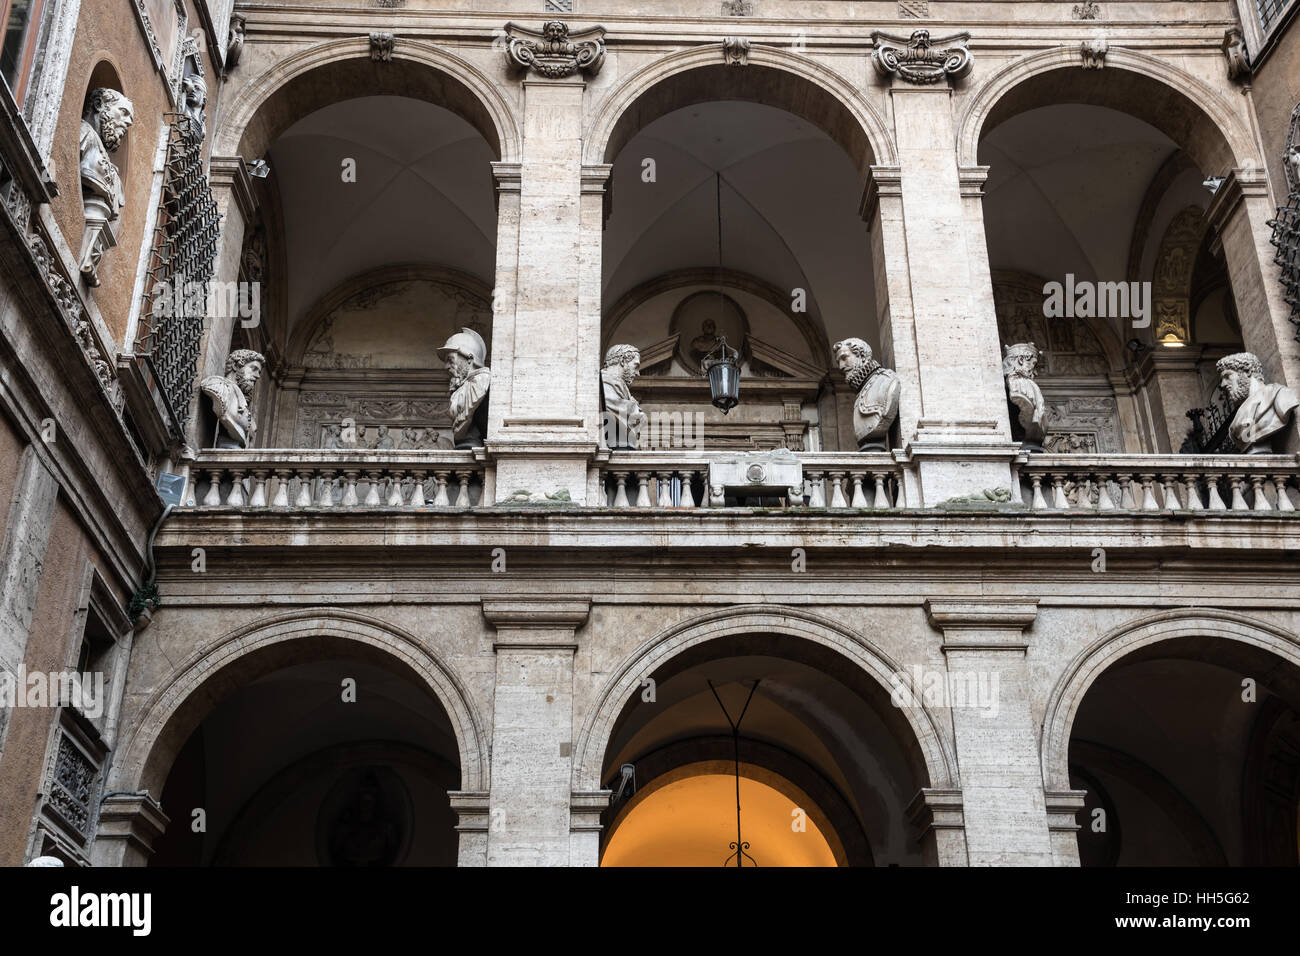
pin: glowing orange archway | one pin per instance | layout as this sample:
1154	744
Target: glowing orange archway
691	821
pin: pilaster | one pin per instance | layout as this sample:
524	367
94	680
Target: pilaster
530	816
129	823
1003	806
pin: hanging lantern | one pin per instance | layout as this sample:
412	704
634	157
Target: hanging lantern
722	366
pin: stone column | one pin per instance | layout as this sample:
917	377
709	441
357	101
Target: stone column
1003	806
530	807
129	823
1238	214
543	413
1175	385
940	319
26	535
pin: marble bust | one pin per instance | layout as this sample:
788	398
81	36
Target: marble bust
878	390
624	418
1025	398
231	397
104	124
1264	413
464	354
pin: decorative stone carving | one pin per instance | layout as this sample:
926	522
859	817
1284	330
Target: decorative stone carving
918	59
623	416
74	786
104	125
737	8
235	40
735	51
464	354
194	92
231	396
1234	52
555	53
1093	51
913	9
381	46
777	472
1088	10
1025	398
1262	410
878	390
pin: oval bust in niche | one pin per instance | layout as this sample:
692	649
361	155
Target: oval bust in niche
365	820
700	320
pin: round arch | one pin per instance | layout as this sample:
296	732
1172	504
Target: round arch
248	652
1186	109
775	77
1183	625
308	80
928	751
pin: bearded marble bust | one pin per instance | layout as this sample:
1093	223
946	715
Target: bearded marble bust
231	396
108	116
1019	366
1264	413
878	388
624	418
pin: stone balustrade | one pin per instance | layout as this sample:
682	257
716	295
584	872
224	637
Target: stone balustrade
1160	482
672	479
289	478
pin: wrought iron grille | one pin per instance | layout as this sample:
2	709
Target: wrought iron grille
184	250
1269	11
1286	239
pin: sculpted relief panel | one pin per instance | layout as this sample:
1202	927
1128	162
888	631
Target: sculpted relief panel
371	374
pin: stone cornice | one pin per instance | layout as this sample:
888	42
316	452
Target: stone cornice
1239	185
548	612
230	172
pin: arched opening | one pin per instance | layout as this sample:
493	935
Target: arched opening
828	766
1095	217
345	759
735	214
1189	749
373	240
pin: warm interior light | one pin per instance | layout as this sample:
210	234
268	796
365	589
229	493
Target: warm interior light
689	823
1172	341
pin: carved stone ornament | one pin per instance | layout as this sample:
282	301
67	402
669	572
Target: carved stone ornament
737	8
1088	10
555	53
194	92
623	417
1291	155
104	125
1093	51
913	9
381	47
235	40
918	59
1234	52
1264	413
735	51
231	396
878	388
1024	397
464	354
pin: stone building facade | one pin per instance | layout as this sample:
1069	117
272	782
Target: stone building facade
991	564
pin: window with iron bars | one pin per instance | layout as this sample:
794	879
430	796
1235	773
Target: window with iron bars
1269	11
184	250
1286	240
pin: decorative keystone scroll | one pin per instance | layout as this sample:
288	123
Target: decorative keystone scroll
555	53
919	59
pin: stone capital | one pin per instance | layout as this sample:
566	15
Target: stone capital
129	823
585	808
881	181
1241	184
936	809
230	172
976	625
1062	806
547	613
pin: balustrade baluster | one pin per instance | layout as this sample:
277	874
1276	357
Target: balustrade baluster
1037	501
859	500
1212	490
1171	496
1059	499
664	487
373	478
817	499
213	497
395	482
643	489
882	501
688	492
462	496
440	499
1149	502
325	495
837	490
305	476
1283	499
349	499
282	478
258	498
1238	499
1193	497
1261	500
620	493
1103	492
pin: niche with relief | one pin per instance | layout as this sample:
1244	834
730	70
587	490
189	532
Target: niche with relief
361	367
